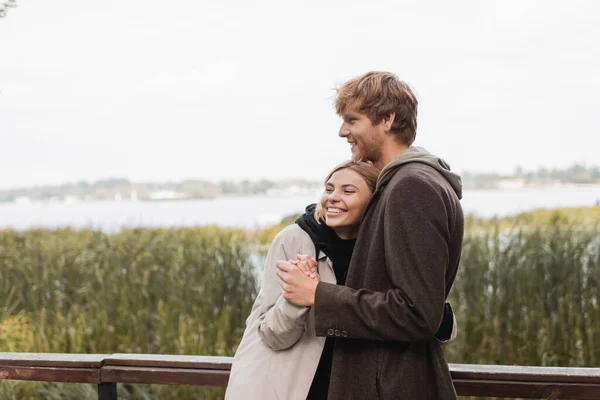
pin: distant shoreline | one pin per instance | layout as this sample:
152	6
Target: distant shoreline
535	186
70	199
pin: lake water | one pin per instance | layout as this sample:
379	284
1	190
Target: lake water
251	212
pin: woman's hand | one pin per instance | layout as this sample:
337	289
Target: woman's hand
306	264
297	287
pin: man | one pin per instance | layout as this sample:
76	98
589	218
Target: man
404	262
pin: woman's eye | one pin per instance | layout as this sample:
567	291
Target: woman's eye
349	191
328	190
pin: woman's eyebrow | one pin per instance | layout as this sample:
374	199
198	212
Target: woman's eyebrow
344	186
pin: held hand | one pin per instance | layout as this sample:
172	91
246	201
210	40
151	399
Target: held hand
307	264
297	288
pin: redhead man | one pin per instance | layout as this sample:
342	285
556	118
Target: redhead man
405	260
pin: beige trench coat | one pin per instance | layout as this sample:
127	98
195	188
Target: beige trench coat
279	352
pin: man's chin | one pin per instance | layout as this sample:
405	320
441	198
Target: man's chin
356	156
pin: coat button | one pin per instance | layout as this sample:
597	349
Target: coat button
330	332
344	334
337	332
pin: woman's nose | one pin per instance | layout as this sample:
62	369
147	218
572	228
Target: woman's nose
334	196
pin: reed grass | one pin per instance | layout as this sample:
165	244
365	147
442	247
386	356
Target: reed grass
165	291
526	294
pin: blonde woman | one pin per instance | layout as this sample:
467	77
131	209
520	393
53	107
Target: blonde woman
280	356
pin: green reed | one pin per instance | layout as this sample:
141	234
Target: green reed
526	293
529	296
168	291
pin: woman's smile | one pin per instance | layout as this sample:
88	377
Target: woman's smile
334	211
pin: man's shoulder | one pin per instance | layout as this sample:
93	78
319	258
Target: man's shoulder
415	172
418	181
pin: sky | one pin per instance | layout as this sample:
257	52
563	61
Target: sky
156	91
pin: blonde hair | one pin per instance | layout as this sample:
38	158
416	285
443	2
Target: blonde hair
377	95
366	170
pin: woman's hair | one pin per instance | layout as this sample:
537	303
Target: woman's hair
366	170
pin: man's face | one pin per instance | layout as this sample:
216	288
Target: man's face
366	140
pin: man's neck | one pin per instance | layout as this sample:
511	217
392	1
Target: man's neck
389	151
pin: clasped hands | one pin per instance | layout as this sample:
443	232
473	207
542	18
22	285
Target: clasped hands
298	279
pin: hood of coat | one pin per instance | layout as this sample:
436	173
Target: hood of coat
420	155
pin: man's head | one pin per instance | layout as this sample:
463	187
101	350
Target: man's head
378	109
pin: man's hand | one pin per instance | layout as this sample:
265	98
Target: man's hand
297	288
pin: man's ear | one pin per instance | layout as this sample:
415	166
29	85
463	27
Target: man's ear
388	121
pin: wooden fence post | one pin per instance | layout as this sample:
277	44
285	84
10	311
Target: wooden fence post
107	391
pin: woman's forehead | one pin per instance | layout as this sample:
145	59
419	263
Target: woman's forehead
346	176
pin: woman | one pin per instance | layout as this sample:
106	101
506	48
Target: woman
280	356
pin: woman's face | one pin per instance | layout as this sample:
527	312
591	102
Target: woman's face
344	202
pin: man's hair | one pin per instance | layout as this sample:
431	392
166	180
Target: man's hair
377	95
366	170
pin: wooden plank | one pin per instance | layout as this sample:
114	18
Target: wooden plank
52	360
107	370
169	361
165	376
523	373
527	390
51	374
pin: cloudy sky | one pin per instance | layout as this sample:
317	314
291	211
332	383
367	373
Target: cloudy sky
157	90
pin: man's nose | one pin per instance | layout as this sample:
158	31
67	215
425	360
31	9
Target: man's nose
344	131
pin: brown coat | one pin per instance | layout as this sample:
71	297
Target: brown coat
403	266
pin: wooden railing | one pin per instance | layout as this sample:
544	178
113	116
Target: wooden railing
106	370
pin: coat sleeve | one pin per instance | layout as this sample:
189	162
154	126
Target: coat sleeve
280	323
448	330
416	232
